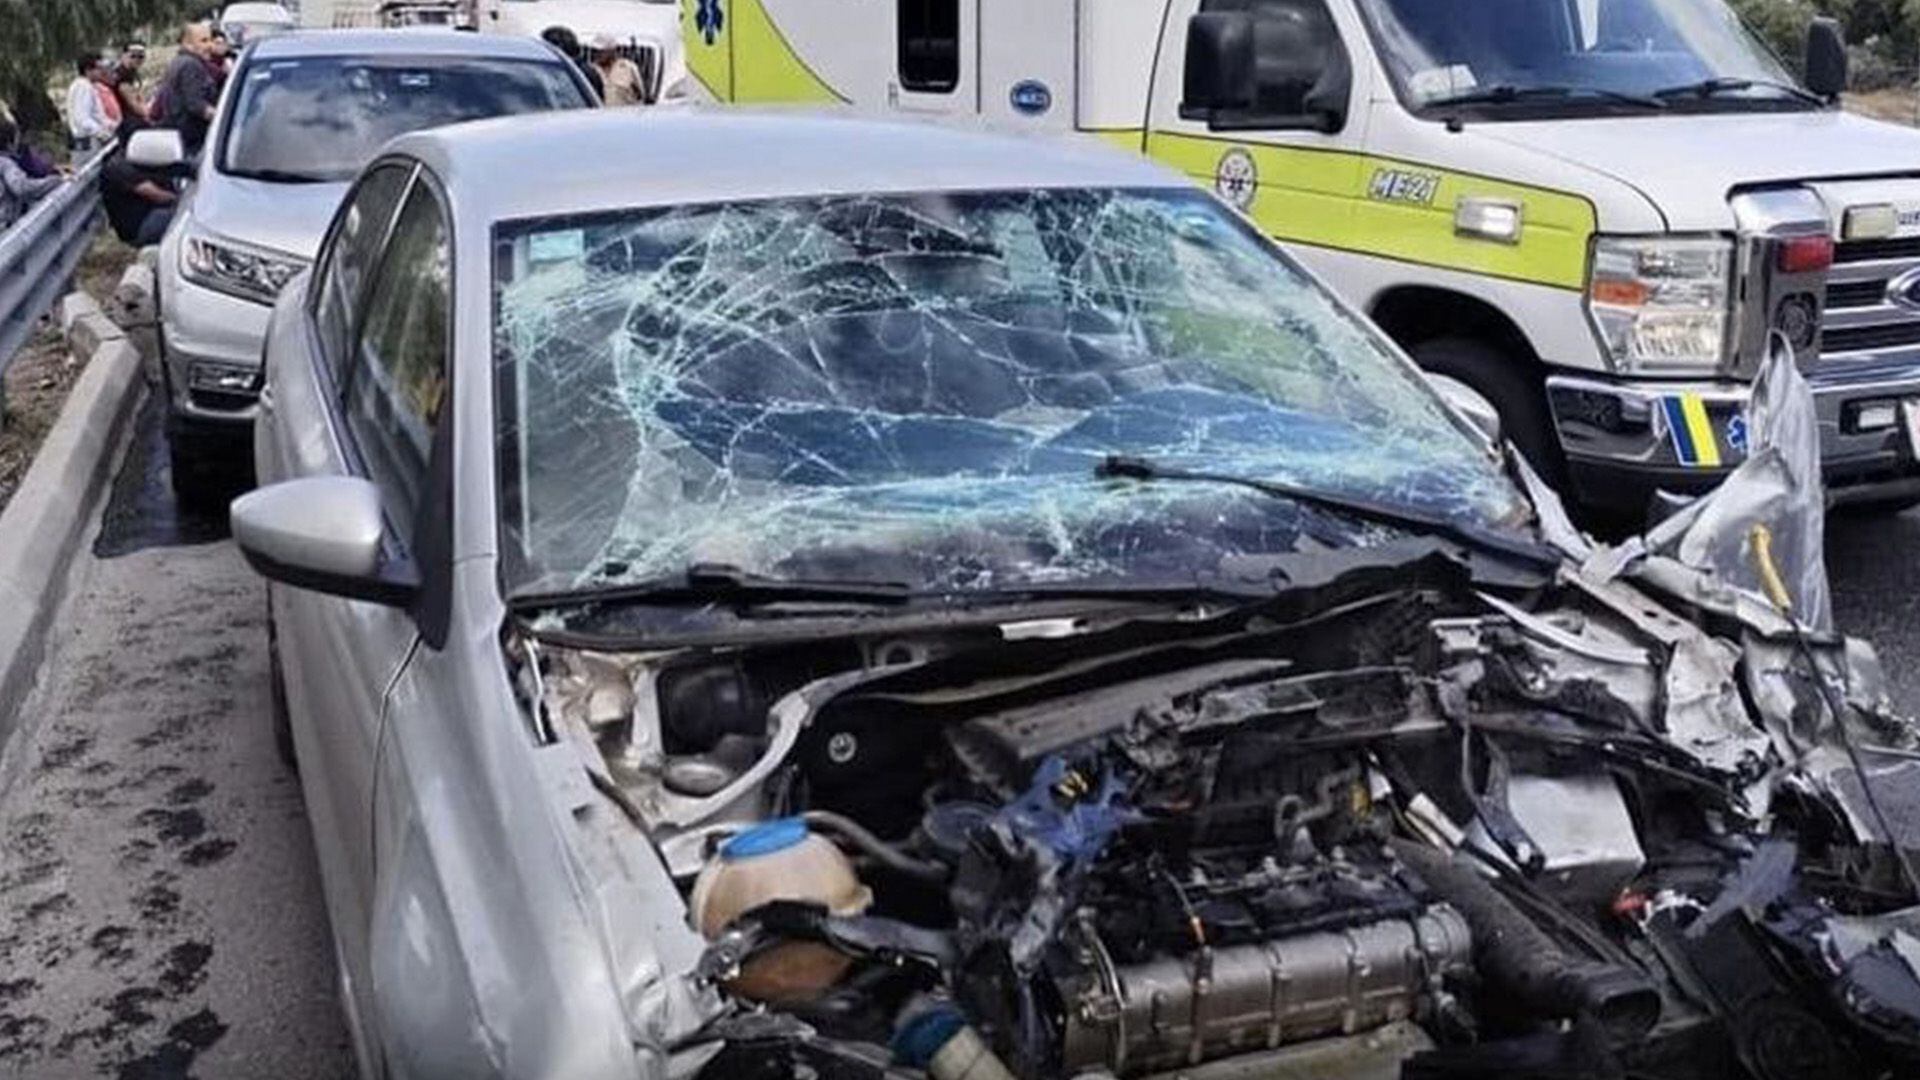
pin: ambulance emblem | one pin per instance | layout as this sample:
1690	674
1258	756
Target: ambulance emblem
1237	178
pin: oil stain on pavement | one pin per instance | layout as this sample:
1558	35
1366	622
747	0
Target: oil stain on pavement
141	510
160	911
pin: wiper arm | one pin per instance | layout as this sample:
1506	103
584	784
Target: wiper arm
1120	467
1707	88
724	583
1508	92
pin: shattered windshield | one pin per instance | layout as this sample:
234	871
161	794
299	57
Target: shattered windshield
920	388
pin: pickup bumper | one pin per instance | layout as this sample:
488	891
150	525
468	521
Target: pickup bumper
1624	440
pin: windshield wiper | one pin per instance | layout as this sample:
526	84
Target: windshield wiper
278	176
1119	467
723	583
1707	88
1505	93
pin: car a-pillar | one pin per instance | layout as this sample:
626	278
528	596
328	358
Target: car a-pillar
1481	363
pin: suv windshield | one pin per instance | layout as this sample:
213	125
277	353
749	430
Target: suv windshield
321	118
1559	55
921	388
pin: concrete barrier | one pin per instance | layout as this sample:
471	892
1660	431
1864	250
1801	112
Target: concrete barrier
132	304
44	526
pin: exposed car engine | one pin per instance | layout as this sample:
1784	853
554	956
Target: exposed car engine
1393	824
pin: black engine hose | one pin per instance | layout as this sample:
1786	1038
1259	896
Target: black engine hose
1517	956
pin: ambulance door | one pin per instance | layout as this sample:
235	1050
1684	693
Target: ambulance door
1283	133
1027	53
936	55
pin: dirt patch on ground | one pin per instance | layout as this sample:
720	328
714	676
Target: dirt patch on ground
42	373
37	384
1898	105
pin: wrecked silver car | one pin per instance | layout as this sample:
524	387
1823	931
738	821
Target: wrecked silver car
967	607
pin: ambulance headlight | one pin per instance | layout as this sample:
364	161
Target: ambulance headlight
1662	303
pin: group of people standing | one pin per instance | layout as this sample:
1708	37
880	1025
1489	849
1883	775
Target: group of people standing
105	100
108	101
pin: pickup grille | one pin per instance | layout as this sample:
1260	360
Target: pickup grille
1860	326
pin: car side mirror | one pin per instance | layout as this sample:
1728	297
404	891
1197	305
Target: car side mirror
1826	58
322	534
156	149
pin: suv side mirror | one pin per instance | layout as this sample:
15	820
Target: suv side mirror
1282	70
322	534
156	149
1826	58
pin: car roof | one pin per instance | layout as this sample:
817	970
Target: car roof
436	43
608	159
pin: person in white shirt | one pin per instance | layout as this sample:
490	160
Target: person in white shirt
619	76
87	120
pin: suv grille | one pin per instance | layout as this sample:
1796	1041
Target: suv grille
1860	326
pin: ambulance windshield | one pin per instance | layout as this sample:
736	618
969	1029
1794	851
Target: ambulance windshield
1517	57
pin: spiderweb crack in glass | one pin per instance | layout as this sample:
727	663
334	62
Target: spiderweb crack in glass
919	387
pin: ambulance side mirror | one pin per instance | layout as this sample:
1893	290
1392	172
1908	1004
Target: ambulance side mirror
1286	71
1826	58
1220	63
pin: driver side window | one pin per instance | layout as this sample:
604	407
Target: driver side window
358	238
398	380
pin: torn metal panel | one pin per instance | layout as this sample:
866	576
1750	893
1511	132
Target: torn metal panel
1779	486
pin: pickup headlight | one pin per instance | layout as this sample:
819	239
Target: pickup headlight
1662	303
224	266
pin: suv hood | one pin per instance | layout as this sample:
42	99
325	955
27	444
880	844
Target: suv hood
289	218
1688	164
621	19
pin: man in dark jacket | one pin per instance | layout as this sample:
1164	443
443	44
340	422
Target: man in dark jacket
187	92
564	39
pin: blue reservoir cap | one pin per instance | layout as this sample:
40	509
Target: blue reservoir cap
765	838
922	1037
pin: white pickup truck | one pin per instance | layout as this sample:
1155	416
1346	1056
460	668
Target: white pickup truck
648	32
1585	217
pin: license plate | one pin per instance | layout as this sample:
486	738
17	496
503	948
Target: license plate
1910	423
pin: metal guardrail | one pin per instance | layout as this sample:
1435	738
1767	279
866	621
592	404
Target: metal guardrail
39	252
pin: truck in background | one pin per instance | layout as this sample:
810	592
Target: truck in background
1584	218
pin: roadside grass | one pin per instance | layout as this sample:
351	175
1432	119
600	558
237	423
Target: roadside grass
43	372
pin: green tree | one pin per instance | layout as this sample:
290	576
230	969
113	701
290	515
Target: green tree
40	38
1885	31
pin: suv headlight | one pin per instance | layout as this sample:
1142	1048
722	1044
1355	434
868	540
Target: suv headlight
245	272
1662	303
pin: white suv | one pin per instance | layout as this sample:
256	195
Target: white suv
302	115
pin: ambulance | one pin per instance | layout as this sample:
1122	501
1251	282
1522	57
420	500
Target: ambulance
1586	219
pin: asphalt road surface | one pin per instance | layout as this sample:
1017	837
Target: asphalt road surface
1874	565
160	914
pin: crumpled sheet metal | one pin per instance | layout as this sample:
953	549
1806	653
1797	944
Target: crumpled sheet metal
1778	486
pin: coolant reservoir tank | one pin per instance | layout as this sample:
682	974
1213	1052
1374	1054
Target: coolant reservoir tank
779	860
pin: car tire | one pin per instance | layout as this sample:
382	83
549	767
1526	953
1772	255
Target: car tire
1509	383
282	717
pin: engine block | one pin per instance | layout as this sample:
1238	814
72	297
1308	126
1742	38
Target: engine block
1176	1011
